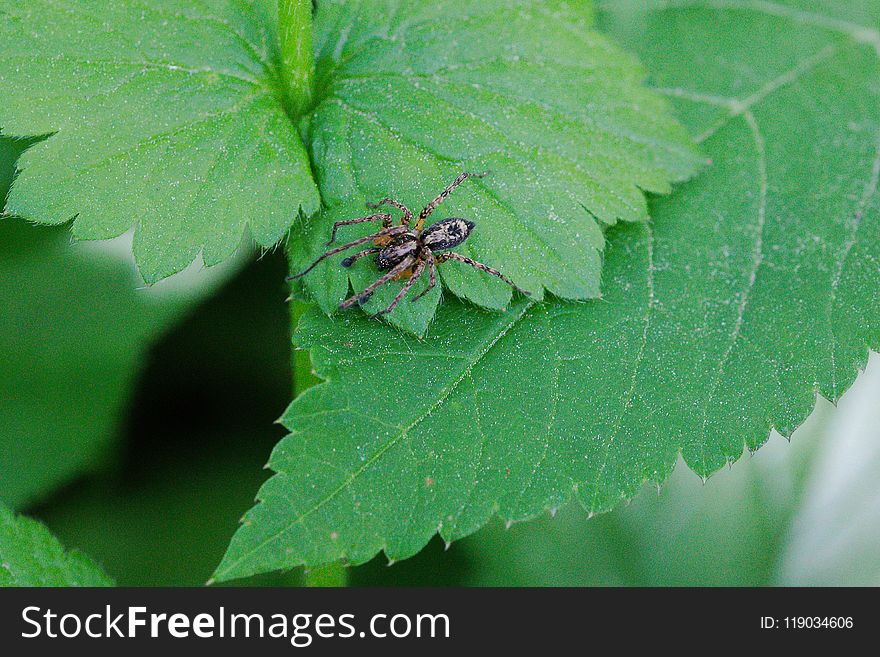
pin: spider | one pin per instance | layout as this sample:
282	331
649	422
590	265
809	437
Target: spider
404	253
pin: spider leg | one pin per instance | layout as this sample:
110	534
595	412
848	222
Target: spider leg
350	260
443	257
416	275
381	216
365	294
407	214
394	230
424	214
432	278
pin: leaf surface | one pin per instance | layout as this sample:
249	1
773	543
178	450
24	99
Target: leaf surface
182	120
166	116
31	556
413	93
755	287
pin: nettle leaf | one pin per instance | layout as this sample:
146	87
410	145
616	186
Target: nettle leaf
410	94
754	287
31	556
182	119
166	116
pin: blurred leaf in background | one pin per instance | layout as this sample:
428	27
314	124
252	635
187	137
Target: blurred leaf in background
169	524
835	533
10	150
73	332
200	425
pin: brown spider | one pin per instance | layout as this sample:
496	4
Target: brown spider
404	254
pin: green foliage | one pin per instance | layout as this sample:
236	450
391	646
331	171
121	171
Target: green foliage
754	287
73	333
182	120
793	514
199	429
168	526
67	362
31	556
166	117
413	93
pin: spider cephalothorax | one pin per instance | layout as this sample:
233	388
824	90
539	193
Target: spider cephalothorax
404	253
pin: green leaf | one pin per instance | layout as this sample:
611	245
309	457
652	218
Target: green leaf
728	532
72	333
166	116
182	120
755	286
168	524
802	513
31	556
413	93
731	530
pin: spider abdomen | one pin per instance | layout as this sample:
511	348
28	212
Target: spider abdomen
400	248
447	234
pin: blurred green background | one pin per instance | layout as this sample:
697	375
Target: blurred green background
135	423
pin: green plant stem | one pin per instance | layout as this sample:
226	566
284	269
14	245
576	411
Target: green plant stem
297	75
297	58
334	574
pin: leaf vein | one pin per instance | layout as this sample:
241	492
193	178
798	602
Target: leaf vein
404	432
757	261
643	343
